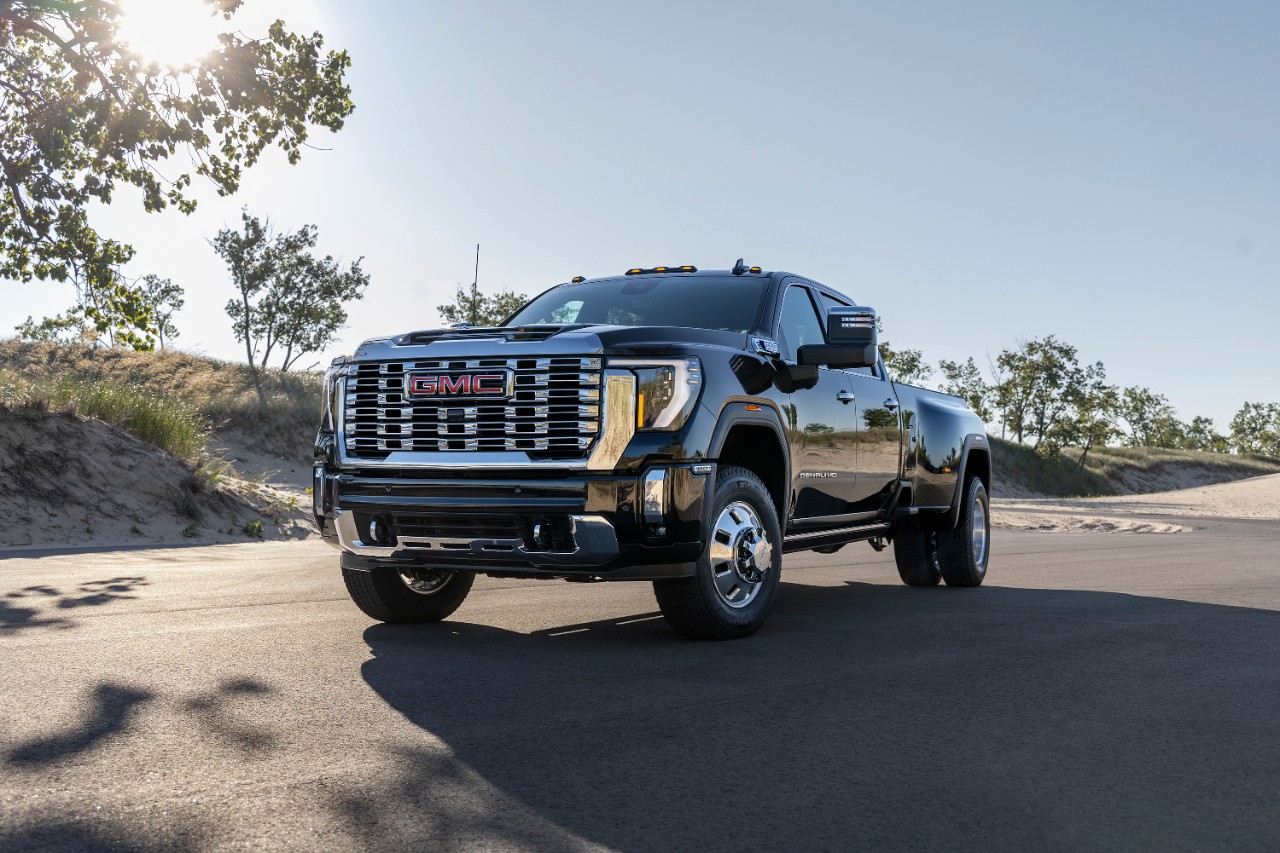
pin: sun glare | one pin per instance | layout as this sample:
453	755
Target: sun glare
171	32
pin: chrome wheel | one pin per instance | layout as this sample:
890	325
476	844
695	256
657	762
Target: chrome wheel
425	581
740	555
980	536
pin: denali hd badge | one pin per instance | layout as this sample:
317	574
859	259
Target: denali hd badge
490	384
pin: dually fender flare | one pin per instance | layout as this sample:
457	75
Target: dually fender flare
974	444
735	413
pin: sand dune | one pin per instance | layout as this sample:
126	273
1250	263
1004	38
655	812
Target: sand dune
1253	498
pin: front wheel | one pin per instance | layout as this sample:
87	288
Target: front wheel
963	552
408	594
736	578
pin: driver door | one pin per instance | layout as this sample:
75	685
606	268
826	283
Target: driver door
822	420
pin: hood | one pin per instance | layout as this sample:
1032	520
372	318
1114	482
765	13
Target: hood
469	342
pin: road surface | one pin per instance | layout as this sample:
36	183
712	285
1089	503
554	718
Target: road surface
1101	692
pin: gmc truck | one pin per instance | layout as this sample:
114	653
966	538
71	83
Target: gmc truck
670	425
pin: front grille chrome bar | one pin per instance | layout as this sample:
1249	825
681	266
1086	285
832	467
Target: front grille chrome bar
553	409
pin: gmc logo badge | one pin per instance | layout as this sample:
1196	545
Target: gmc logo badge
491	384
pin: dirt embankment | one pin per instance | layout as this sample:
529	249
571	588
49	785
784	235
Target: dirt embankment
67	480
1160	512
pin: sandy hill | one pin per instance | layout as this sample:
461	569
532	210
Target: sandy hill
1021	473
70	481
109	447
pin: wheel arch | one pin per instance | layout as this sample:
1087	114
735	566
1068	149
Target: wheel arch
975	462
755	440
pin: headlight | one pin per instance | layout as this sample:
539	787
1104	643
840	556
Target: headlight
333	384
666	390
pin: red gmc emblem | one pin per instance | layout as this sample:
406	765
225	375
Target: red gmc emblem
492	384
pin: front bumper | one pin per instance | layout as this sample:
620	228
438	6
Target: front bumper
616	526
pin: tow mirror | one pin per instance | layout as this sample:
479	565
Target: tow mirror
851	336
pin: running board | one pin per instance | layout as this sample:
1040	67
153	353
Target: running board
839	536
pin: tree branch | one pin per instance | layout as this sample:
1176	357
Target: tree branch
16	190
77	59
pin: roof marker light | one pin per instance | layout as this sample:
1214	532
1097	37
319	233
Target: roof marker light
639	271
577	279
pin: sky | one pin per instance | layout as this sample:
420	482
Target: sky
980	173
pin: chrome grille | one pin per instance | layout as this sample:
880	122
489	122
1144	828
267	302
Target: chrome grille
553	410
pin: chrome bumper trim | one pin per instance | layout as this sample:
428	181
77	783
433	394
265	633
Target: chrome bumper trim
594	538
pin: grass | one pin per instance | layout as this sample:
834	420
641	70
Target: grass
1115	470
159	420
1058	476
222	394
1110	461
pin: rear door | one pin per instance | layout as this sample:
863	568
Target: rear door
822	420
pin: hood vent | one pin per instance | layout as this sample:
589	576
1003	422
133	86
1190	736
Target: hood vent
511	334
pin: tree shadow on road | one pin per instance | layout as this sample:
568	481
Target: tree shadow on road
862	716
113	706
37	606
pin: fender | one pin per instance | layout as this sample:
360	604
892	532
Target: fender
974	443
735	413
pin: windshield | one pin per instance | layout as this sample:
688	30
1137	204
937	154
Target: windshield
724	303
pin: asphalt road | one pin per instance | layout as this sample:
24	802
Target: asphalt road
1101	692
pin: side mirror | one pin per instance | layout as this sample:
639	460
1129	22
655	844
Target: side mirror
855	326
852	336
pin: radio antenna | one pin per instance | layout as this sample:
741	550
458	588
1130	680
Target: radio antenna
475	288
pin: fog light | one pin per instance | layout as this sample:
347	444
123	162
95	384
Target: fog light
379	531
542	534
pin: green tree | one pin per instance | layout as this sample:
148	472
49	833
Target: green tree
1151	419
163	299
1093	417
1033	384
906	365
116	313
83	114
475	308
1256	429
1200	434
965	381
288	302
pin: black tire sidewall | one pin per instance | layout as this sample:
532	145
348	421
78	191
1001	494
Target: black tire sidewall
410	606
749	490
955	552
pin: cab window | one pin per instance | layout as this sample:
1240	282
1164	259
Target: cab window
798	324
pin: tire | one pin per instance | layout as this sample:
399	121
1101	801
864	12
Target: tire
737	576
964	551
384	594
916	553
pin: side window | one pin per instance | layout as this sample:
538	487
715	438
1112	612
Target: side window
828	303
798	324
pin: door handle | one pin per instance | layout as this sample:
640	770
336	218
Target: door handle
845	397
891	404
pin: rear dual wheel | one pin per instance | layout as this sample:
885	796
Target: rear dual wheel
958	556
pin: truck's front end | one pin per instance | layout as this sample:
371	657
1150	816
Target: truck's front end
567	448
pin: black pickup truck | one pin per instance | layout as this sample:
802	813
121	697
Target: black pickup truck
670	425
